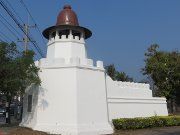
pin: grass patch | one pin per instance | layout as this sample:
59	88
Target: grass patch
149	122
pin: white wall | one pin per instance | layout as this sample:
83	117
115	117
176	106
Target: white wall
136	107
71	99
66	48
129	100
92	101
76	97
127	89
29	119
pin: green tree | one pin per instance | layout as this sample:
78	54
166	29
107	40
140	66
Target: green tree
111	71
163	67
17	71
116	75
121	76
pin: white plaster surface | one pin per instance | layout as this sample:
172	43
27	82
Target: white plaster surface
66	48
130	100
77	98
71	99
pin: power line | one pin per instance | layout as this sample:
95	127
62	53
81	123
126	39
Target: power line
2	38
6	37
14	11
38	29
9	29
21	27
10	25
25	39
20	46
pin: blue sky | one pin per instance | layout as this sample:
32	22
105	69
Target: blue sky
122	29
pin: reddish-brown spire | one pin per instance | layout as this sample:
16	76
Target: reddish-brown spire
67	17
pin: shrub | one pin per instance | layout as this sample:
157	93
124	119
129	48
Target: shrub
149	122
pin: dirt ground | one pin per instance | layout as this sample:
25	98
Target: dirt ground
154	131
19	131
25	131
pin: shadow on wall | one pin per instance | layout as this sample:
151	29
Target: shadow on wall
43	104
38	101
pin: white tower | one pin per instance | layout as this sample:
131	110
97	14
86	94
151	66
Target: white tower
72	99
66	39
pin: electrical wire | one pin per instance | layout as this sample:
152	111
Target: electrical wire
38	29
21	27
3	39
14	11
10	25
5	36
9	29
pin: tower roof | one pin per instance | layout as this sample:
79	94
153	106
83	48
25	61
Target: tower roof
67	19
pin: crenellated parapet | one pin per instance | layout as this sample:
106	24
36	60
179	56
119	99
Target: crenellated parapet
66	36
62	62
133	85
127	89
127	85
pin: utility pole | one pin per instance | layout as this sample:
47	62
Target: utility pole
26	40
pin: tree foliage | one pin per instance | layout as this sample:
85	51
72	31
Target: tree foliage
116	75
164	69
17	70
